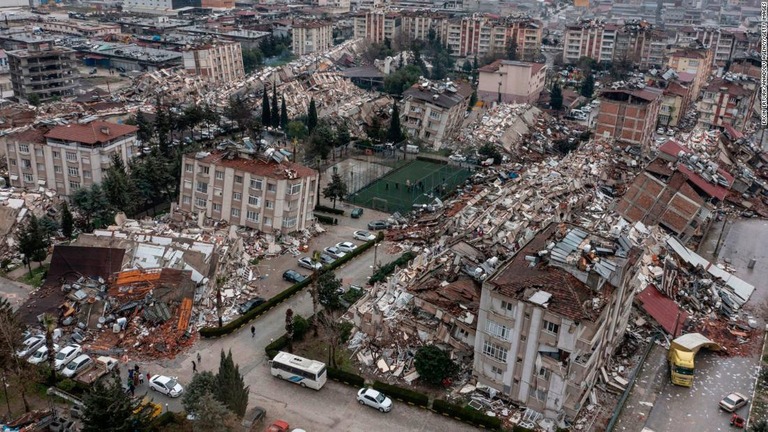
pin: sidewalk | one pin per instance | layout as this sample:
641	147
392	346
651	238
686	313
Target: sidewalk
22	271
643	396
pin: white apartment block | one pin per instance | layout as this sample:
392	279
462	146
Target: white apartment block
66	158
249	191
220	62
312	37
552	316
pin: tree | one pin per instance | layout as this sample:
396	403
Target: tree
322	140
297	130
283	115
395	132
32	242
34	99
472	101
759	426
328	286
434	365
108	408
67	221
275	108
214	416
289	328
162	127
202	383
266	117
511	49
230	387
312	116
336	189
117	186
11	328
252	59
401	80
146	129
467	66
588	86
50	323
374	130
238	111
489	150
93	206
556	97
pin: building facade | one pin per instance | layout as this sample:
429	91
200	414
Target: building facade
244	190
311	37
220	62
433	111
66	158
694	61
43	71
511	81
727	103
481	35
636	42
376	25
552	316
629	116
80	28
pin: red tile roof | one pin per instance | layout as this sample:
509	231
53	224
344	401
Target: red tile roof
96	132
258	167
710	189
663	309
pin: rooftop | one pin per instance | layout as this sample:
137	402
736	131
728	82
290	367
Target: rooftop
96	132
496	65
426	92
259	167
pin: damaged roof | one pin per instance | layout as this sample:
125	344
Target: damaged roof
662	309
451	296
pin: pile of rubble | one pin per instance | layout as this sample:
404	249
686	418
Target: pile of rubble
503	125
14	207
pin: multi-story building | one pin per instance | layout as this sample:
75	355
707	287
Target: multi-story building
376	25
159	7
551	317
66	158
312	36
221	61
726	43
629	116
674	104
248	189
434	111
335	6
481	34
81	28
695	61
511	81
636	42
589	39
727	102
43	71
416	25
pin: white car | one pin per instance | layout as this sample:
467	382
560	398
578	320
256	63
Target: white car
41	354
363	235
30	345
166	385
335	252
79	364
374	399
66	354
457	157
347	247
308	263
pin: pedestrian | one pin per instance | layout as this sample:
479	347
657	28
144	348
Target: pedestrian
135	380
132	388
141	378
253	331
198	358
136	368
148	376
194	367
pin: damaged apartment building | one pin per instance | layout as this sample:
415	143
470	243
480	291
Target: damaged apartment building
552	316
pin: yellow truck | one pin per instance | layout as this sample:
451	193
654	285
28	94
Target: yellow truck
681	354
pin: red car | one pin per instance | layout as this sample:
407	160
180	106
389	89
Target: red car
278	426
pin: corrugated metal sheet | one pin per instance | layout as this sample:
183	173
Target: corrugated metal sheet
662	309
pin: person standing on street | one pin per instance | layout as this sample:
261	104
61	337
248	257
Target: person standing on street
253	331
198	358
194	367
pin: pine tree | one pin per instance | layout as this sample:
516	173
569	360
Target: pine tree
162	127
32	241
146	130
107	408
283	116
312	116
266	118
230	387
556	98
275	111
588	86
336	189
472	101
67	221
117	187
395	132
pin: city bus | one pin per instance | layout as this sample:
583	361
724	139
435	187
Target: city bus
298	370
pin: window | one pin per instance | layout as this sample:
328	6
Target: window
86	160
270	204
295	189
24	148
74	171
435	115
545	374
28	178
74	185
188	168
268	221
495	351
236	212
540	395
253	200
551	327
495	370
26	163
252	216
219	175
72	157
187	184
216	207
201	202
202	187
498	330
509	307
39	152
186	200
57	169
256	184
237	196
56	155
206	169
271	187
13	162
11	147
289	222
86	174
40	167
238	179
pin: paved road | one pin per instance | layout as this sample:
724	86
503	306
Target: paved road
15	292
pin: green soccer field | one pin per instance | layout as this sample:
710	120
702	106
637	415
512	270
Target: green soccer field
410	184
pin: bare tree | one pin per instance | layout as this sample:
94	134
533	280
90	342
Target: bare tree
10	342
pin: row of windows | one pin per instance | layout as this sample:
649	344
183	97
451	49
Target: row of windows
72	171
495	351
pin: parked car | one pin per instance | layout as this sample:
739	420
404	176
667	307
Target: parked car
308	263
279	426
66	354
363	235
41	354
254	418
733	402
30	345
326	259
457	157
93	71
166	385
346	247
374	399
293	276
79	364
335	252
250	304
378	225
356	213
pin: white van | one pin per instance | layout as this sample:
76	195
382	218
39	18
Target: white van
410	148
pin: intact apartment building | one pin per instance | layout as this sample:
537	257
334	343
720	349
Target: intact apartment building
376	25
637	42
727	103
694	61
511	81
246	189
43	70
727	43
552	316
66	158
220	61
311	37
629	116
433	111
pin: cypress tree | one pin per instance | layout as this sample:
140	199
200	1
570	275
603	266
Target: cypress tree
556	98
67	221
275	108
312	116
395	132
266	118
283	116
230	387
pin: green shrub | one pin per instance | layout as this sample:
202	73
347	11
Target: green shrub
300	327
383	272
322	208
346	377
165	419
325	219
521	429
345	331
402	394
66	385
276	346
351	296
466	414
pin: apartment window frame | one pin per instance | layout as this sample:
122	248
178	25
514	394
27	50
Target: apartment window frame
58	169
186	200
495	351
235	212
295	189
71	157
201	187
216	207
499	331
551	328
254	201
188	168
28	178
73	171
74	185
237	196
219	175
252	216
239	179
201	202
256	184
23	148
